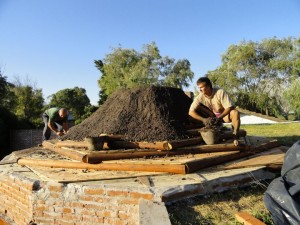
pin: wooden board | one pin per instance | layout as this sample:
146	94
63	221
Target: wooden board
62	175
272	156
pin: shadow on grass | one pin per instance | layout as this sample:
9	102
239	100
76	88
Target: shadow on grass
220	208
287	140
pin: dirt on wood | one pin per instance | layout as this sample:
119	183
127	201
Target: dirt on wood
141	114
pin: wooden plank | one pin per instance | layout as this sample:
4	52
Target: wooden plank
247	219
145	180
183	143
99	157
177	169
2	222
72	144
72	154
271	157
91	143
182	159
80	175
213	148
199	164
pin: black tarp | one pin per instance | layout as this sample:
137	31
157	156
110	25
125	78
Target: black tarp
282	197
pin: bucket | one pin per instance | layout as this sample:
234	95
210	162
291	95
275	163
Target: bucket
210	136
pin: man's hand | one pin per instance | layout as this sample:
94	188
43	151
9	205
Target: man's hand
59	133
211	122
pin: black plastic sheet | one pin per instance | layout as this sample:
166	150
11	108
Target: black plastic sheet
282	197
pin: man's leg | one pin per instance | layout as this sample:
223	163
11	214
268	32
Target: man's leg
46	131
234	118
235	121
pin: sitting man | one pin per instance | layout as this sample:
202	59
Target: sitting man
214	102
55	119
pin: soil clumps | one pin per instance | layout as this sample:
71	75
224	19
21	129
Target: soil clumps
141	114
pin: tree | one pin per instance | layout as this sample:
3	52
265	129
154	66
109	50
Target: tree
255	74
127	68
7	97
29	102
292	95
73	99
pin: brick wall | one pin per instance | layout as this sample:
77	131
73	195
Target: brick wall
16	199
26	138
28	201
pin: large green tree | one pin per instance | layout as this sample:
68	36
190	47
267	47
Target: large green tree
126	68
256	73
28	102
7	97
292	95
74	99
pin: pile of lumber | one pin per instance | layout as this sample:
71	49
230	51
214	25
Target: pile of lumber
114	152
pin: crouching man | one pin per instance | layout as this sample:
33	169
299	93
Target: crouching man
214	102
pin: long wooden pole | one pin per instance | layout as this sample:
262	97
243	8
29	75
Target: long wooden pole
170	168
183	143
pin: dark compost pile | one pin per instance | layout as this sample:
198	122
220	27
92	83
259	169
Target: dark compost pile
141	114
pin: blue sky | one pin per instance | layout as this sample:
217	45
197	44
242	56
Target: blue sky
54	43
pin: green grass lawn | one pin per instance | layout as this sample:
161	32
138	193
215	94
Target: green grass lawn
286	133
220	208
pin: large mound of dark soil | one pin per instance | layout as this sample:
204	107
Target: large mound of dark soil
141	114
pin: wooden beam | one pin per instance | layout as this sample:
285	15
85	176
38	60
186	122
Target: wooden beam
183	143
97	157
90	143
169	168
247	219
72	144
272	157
213	161
213	148
2	222
72	154
199	164
164	145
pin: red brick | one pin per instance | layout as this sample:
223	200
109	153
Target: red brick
118	193
75	204
86	198
120	222
95	207
141	195
73	217
54	195
123	215
92	219
55	188
128	201
94	191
